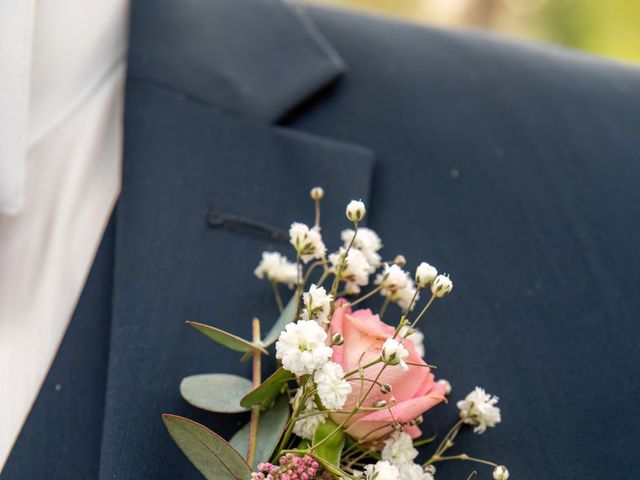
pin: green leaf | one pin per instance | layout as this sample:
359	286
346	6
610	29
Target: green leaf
304	444
216	392
210	454
267	392
227	339
288	315
270	428
331	449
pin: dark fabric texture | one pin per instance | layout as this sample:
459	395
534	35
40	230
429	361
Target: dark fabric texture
62	436
516	168
259	58
512	166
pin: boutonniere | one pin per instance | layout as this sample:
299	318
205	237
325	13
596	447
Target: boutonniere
351	386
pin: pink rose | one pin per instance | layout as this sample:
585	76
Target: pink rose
414	390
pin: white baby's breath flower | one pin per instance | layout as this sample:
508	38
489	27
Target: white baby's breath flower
306	241
302	347
333	389
317	304
356	211
425	274
441	286
357	269
405	296
276	268
500	473
416	337
311	419
394	353
412	471
398	286
398	449
367	241
392	279
382	470
479	409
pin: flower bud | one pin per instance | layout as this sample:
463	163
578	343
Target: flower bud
380	403
356	211
394	353
400	260
386	388
500	473
441	286
425	274
397	426
337	339
447	386
317	193
430	469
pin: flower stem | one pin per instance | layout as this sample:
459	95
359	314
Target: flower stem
257	379
424	310
276	294
444	445
370	364
384	307
364	297
465	457
342	263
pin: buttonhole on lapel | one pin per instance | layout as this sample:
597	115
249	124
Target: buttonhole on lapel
217	218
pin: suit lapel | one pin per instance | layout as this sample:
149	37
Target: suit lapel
257	58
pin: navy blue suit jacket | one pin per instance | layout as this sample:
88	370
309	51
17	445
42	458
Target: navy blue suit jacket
514	166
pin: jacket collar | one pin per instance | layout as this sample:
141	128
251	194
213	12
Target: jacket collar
258	58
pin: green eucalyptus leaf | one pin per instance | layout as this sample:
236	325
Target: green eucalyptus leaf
268	390
216	392
227	339
210	454
288	315
270	428
331	449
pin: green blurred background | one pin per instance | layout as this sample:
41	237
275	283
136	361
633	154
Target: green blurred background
604	27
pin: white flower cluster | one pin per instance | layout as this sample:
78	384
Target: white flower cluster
399	452
398	449
383	470
317	304
310	417
397	285
307	241
276	268
367	241
479	409
413	471
333	389
302	347
355	271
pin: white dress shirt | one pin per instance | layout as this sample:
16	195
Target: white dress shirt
61	97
